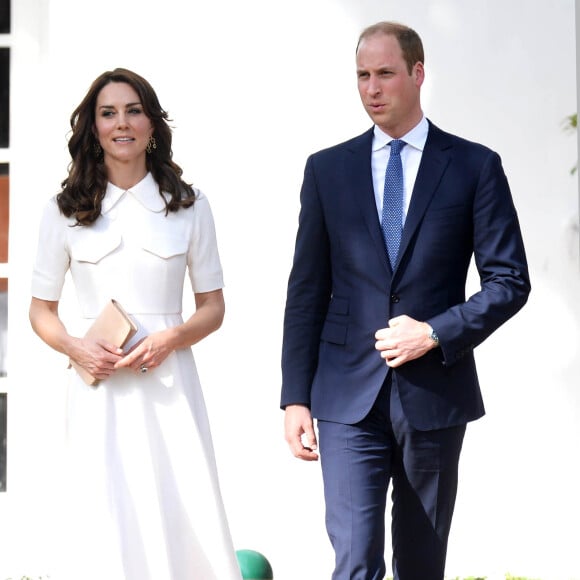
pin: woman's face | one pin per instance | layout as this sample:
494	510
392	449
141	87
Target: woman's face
122	128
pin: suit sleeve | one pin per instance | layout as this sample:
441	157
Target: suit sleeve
308	295
501	263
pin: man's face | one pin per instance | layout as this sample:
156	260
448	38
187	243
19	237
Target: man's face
390	95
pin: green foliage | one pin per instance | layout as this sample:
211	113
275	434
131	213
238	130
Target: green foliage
507	577
570	125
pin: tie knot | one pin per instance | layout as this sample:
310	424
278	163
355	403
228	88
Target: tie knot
396	146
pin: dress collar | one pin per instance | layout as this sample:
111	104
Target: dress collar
146	192
416	137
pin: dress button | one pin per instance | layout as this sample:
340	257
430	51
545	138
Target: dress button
395	298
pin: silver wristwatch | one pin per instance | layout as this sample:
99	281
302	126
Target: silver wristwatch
433	336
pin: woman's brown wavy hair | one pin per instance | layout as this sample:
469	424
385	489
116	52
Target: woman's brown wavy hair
84	188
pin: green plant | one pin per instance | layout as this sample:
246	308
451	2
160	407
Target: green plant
570	124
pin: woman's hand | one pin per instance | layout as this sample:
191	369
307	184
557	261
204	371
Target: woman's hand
149	352
97	357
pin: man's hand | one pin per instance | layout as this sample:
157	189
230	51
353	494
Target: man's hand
299	432
404	340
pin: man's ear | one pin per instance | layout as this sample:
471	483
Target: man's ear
418	73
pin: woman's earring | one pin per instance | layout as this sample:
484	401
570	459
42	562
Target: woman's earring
152	144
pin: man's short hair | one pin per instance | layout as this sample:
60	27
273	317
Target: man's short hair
409	40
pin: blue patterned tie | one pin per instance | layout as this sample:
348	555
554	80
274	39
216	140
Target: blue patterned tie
392	218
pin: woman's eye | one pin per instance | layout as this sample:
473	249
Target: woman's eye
107	114
135	111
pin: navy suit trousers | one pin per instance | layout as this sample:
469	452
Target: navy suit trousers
358	463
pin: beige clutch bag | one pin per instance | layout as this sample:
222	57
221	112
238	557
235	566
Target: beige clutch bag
113	325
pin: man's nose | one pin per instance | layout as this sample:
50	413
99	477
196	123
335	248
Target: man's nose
373	86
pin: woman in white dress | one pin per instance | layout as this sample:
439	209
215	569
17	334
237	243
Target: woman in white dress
142	498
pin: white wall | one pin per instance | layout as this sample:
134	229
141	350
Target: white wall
253	88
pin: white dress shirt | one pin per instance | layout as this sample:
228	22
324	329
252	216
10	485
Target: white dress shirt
410	158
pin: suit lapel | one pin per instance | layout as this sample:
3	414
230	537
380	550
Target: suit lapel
434	161
359	179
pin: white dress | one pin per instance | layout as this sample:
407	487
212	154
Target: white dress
142	499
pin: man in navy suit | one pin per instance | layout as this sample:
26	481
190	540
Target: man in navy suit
379	338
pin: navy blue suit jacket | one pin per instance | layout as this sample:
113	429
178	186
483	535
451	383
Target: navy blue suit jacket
342	289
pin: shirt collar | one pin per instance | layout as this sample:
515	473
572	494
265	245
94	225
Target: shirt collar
146	192
416	137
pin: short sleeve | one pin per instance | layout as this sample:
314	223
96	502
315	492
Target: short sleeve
52	256
205	270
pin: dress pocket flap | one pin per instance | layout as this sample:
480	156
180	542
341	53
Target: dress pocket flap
89	246
165	246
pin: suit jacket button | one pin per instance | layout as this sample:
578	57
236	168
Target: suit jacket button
395	298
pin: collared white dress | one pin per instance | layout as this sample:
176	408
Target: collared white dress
142	498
